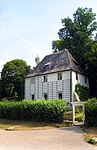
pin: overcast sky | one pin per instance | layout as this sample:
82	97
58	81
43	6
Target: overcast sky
28	27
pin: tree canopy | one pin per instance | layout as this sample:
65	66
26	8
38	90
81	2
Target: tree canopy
13	78
76	35
79	36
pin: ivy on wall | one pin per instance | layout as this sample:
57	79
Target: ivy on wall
83	92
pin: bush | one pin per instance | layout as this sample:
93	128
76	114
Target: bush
91	112
82	91
40	110
79	117
92	140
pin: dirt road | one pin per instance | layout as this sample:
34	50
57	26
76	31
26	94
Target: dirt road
65	138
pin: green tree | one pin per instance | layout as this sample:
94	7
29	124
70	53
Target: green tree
13	78
76	35
91	63
37	60
58	45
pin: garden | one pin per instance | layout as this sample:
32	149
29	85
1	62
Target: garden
43	114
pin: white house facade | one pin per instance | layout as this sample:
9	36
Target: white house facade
55	77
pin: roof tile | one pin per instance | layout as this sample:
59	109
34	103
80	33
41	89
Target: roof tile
55	62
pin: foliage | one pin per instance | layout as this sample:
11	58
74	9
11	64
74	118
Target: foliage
78	113
80	37
79	117
58	45
92	141
82	91
37	60
91	112
91	63
13	77
76	35
40	110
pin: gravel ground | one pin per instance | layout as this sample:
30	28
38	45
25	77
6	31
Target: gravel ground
65	138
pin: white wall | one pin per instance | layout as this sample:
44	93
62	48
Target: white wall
32	89
74	81
27	88
36	86
81	80
53	77
66	75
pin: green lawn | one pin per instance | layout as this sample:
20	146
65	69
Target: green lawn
26	125
91	132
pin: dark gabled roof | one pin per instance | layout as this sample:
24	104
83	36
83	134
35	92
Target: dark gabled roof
56	62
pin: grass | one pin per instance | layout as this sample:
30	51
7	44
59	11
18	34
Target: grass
26	125
91	132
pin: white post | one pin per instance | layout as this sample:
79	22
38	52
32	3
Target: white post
74	104
73	114
83	113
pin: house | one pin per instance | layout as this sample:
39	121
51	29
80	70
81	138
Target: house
55	77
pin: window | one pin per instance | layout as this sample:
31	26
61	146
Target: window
60	96
85	79
45	96
33	97
59	76
76	76
45	79
46	67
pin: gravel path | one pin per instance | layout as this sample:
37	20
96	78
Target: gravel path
65	138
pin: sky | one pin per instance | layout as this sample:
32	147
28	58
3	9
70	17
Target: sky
28	27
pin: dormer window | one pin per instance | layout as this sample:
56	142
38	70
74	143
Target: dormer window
44	78
47	65
60	76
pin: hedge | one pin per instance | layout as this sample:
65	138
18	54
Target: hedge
91	112
40	110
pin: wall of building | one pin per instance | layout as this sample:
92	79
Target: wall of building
81	79
53	77
53	87
35	86
28	88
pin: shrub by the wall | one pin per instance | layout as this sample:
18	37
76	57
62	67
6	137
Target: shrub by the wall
82	91
91	112
40	110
